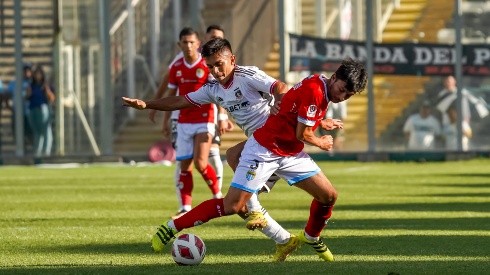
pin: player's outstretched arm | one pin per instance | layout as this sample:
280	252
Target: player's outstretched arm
307	135
170	103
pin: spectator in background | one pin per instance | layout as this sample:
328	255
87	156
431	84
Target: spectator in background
450	131
422	129
26	82
336	111
448	96
40	96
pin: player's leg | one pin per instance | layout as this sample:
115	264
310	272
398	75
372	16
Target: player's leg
258	216
184	155
202	145
302	172
255	171
233	154
215	160
202	213
324	197
173	139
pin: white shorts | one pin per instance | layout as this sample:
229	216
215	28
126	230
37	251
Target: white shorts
185	137
257	164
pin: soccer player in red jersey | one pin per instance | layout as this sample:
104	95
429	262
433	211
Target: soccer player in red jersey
170	130
277	147
195	127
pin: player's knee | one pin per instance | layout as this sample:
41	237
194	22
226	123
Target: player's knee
201	165
329	197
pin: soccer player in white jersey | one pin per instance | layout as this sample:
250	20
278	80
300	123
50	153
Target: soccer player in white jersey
169	127
278	147
247	94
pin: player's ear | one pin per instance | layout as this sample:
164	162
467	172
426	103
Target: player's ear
232	59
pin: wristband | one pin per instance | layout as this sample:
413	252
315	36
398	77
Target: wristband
222	117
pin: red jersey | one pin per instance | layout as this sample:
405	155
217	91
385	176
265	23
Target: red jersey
189	78
307	103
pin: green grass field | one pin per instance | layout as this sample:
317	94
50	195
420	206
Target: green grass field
398	218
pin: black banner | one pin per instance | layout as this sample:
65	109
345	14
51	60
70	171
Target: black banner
316	54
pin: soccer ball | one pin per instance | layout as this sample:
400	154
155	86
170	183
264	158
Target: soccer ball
188	249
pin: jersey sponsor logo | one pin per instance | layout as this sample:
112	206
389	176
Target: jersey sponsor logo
178	73
220	99
311	111
199	73
237	107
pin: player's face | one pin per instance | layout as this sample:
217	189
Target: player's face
189	45
214	34
221	65
337	91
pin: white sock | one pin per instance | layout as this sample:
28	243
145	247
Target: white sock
310	238
275	231
215	161
176	180
253	204
171	224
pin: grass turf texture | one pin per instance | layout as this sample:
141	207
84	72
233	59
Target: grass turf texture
405	218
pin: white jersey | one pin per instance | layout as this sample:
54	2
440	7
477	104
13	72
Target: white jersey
422	131
247	97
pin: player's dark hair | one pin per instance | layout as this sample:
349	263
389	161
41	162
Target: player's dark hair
353	73
214	46
187	31
214	27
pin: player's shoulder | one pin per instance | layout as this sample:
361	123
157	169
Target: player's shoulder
177	57
211	85
246	70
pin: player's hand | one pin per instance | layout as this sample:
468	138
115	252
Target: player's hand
222	126
151	115
275	108
331	124
230	126
326	142
134	103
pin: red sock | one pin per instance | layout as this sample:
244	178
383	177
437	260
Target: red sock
319	214
185	187
200	214
209	176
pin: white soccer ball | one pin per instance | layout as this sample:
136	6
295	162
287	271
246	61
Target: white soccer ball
188	249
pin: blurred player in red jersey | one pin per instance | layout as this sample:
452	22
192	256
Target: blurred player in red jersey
277	147
170	130
195	128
